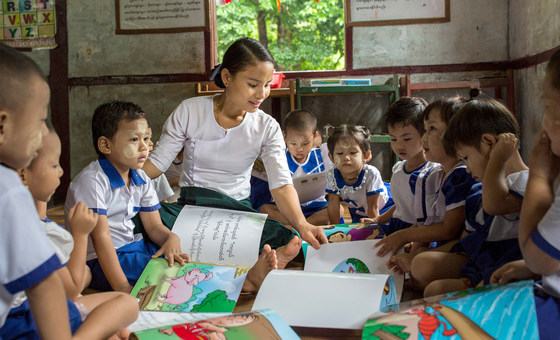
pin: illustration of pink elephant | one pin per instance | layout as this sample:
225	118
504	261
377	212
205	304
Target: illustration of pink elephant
182	287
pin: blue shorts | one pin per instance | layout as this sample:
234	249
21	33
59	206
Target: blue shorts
20	325
548	314
133	258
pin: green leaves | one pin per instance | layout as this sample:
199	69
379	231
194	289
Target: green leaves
304	35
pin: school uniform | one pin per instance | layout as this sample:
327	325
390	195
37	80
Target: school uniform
162	187
21	233
103	190
220	159
491	241
547	300
403	189
355	195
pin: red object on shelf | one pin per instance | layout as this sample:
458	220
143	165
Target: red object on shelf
276	80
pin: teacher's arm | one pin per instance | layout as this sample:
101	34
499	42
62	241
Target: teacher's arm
287	200
151	170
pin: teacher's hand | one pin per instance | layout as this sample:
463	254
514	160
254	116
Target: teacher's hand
314	235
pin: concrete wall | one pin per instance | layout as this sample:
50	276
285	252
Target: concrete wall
533	28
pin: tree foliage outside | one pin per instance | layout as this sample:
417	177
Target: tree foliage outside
304	35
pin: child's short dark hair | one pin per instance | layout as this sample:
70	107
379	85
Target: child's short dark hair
553	69
447	107
107	116
300	120
359	134
406	111
16	70
477	117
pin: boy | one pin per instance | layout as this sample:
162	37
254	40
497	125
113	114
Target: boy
405	126
484	134
300	133
116	188
22	126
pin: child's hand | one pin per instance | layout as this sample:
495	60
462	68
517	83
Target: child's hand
512	271
81	220
400	263
392	243
172	251
504	147
542	162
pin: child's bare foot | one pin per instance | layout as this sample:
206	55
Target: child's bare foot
255	277
287	252
400	263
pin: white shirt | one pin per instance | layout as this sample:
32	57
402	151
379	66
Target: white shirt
103	190
403	189
547	238
220	159
162	187
26	255
355	195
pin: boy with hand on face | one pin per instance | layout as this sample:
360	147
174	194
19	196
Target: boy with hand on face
117	189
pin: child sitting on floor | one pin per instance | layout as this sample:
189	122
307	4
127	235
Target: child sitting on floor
300	131
352	179
117	189
483	134
405	125
440	192
111	310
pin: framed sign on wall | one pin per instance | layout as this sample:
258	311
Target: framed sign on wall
161	16
28	24
395	12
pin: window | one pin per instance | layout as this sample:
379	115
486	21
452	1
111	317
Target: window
302	35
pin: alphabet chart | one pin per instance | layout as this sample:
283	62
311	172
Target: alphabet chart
28	23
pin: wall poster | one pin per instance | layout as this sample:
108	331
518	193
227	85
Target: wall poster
28	23
395	12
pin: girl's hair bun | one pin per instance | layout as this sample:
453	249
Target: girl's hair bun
474	92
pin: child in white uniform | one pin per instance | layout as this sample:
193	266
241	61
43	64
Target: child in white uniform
110	310
440	192
484	134
300	130
352	180
405	125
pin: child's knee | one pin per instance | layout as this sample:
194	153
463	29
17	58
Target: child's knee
434	288
420	268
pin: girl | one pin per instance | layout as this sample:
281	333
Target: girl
441	192
352	180
104	314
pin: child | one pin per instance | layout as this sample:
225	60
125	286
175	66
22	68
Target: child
405	125
352	180
300	130
440	192
116	188
161	185
110	310
22	126
484	134
539	225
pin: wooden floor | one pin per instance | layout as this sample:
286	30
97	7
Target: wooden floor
245	301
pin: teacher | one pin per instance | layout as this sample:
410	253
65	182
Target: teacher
221	137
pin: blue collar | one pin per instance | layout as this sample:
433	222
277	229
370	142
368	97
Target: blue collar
340	181
115	178
313	164
411	171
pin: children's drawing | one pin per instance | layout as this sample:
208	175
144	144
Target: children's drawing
195	287
489	312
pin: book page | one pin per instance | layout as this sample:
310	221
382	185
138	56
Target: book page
220	236
311	186
148	319
347	257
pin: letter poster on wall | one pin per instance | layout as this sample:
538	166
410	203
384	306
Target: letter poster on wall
28	23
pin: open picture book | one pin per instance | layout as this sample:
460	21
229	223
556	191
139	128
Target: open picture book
344	279
223	244
254	325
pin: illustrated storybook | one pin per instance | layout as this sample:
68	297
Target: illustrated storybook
345	279
350	232
223	244
254	325
488	312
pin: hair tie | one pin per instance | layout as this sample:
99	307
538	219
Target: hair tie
328	129
215	71
473	93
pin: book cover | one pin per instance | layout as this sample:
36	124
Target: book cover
488	312
254	325
195	287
